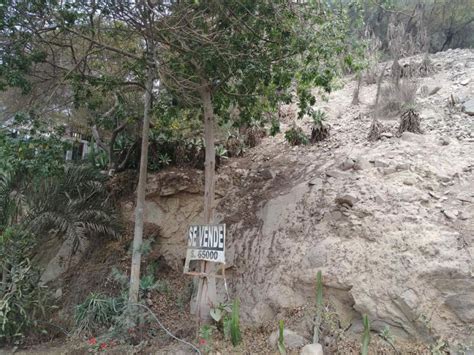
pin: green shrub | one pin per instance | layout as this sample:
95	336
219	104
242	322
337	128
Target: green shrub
22	301
296	136
228	320
98	311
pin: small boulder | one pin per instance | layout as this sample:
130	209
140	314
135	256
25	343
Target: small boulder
435	90
468	107
292	339
412	137
346	199
380	164
347	164
450	214
312	349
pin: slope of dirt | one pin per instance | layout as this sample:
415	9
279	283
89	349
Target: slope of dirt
390	222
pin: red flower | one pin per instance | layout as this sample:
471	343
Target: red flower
103	346
92	341
202	341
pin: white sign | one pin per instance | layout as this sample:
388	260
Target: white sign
206	242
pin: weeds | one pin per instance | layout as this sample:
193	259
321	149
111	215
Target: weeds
205	337
296	136
228	319
23	303
98	311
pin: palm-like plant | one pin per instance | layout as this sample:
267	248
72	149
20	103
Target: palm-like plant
74	206
12	199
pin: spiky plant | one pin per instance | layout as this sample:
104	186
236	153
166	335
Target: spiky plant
12	198
319	306
281	338
73	205
410	122
235	335
376	130
365	335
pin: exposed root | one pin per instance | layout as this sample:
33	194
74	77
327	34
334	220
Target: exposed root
410	122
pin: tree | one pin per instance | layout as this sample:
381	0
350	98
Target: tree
94	35
246	55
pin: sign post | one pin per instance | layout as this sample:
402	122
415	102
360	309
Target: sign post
205	243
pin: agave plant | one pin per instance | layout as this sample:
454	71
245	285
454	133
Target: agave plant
74	206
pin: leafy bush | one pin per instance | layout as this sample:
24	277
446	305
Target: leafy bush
296	136
22	301
31	153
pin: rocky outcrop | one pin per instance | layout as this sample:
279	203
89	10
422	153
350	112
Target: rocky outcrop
390	223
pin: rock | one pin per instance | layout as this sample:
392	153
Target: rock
312	349
387	134
63	259
292	339
347	164
346	199
412	137
336	174
451	214
464	82
443	141
380	164
262	312
388	171
361	163
409	181
458	66
468	107
402	167
59	293
435	90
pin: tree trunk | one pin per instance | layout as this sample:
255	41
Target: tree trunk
355	97
141	189
207	285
